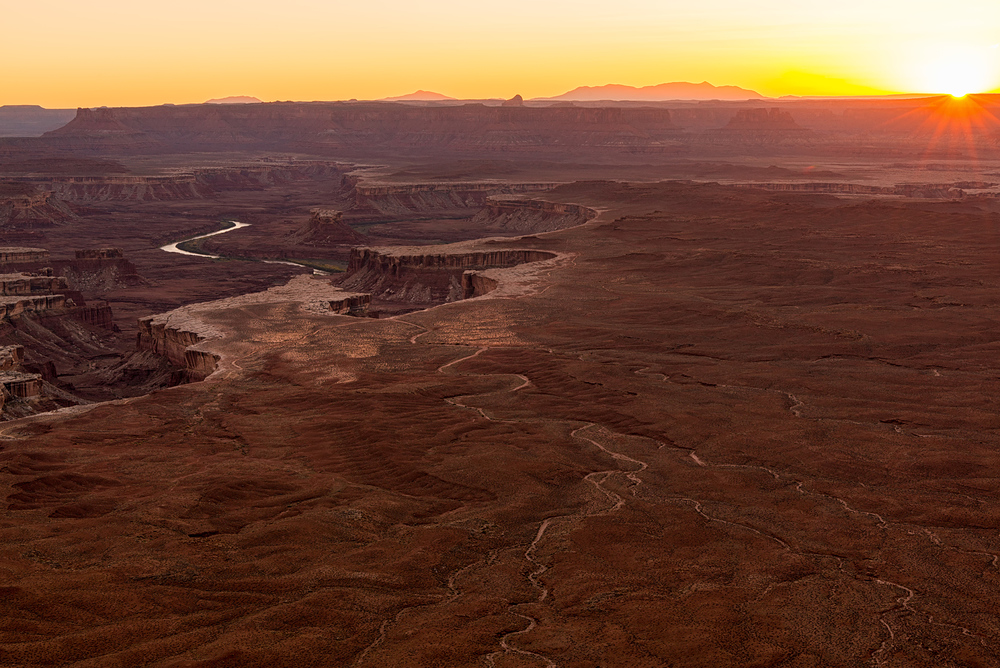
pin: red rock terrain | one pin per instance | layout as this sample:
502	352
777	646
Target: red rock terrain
723	427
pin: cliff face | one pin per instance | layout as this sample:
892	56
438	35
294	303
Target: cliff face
476	284
197	184
351	304
175	343
126	188
364	126
28	284
14	382
518	215
407	275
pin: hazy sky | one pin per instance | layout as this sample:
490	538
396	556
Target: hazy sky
68	53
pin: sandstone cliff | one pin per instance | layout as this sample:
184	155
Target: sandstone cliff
175	342
427	275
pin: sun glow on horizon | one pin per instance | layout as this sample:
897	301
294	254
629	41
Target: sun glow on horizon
124	53
956	70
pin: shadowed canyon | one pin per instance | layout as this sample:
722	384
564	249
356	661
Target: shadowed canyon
578	385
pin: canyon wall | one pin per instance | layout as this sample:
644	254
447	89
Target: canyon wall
340	126
529	215
175	343
625	128
195	185
419	276
351	304
476	284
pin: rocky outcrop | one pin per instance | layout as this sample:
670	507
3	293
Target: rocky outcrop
351	304
476	284
11	357
30	284
157	335
96	315
21	385
15	383
530	215
15	307
417	276
326	227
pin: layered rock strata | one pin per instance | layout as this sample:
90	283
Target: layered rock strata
416	275
326	227
175	340
351	304
531	215
15	383
12	255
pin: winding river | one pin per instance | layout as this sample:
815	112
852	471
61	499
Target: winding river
174	248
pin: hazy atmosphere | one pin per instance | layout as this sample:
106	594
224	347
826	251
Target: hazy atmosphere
66	54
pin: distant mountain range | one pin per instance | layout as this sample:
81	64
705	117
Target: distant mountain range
677	90
234	99
419	96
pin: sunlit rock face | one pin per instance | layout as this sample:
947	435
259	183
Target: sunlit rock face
418	276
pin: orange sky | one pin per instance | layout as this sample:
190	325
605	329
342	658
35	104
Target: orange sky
59	53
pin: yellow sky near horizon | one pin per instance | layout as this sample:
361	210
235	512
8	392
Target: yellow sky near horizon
59	53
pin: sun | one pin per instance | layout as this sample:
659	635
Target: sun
957	70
